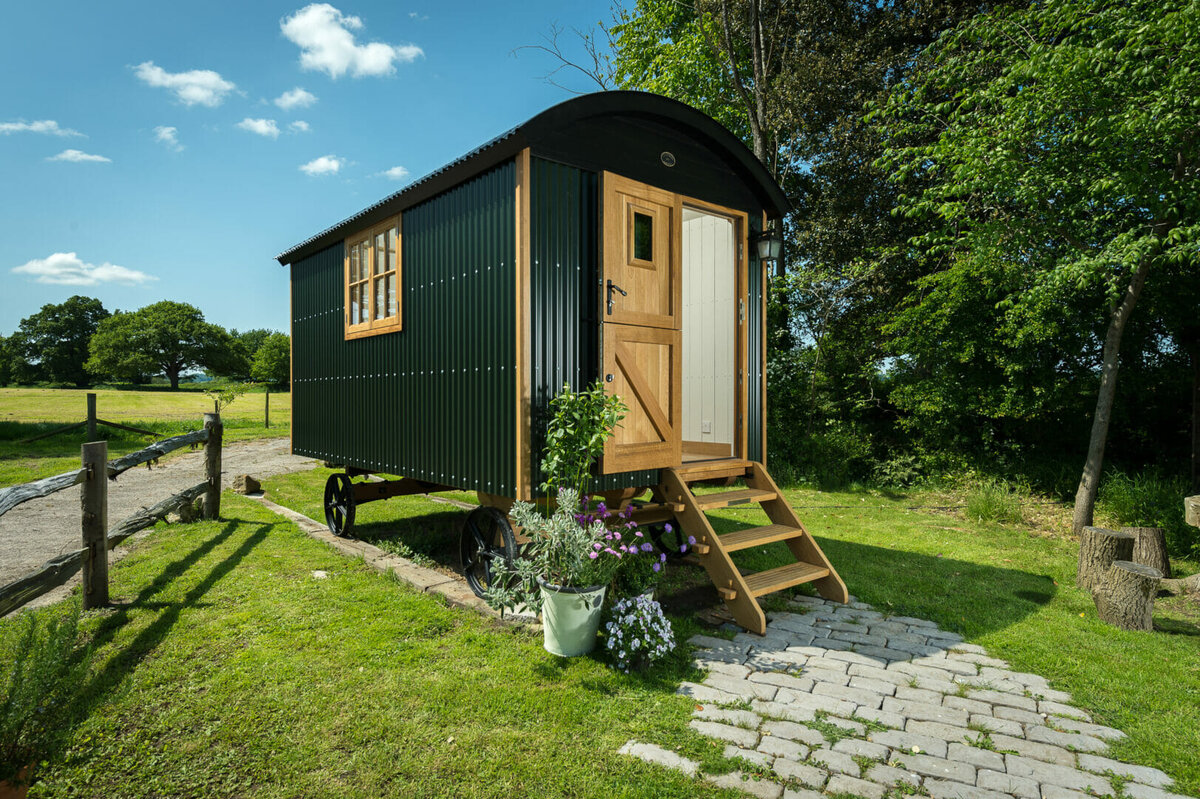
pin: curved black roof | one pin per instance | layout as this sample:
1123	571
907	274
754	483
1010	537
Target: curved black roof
549	133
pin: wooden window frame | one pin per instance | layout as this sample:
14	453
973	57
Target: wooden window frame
388	324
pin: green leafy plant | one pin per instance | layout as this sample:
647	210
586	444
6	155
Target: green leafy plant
44	667
638	634
575	436
994	501
225	396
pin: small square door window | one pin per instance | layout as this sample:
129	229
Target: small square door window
643	237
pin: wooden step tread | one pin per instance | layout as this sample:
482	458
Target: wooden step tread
713	470
727	498
756	536
783	577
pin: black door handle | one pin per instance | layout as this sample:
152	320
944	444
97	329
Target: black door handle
611	288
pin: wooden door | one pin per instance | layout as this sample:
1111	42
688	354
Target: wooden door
641	337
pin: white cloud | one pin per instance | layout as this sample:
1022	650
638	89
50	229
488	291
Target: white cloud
299	126
168	136
296	98
195	87
263	127
66	269
325	165
47	126
326	44
79	157
395	173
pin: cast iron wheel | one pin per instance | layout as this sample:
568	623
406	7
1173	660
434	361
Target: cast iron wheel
339	504
486	537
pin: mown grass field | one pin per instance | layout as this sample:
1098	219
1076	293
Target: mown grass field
28	412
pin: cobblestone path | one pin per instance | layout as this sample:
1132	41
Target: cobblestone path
843	700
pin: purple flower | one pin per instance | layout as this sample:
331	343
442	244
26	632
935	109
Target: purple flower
657	567
683	548
663	557
691	540
593	555
647	547
638	533
668	527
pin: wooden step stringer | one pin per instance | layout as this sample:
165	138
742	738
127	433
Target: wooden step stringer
740	591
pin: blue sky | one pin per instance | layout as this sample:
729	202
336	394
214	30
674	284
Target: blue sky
158	150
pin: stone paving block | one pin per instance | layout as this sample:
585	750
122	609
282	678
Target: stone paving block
889	776
888	627
974	649
782	747
877	673
952	666
808	601
924	712
1094	730
1143	774
735	670
1048	753
804	773
709	642
783	710
726	732
707	694
770	661
724	655
827	664
835	762
1058	775
859	638
841	783
783	681
913	622
1050	695
663	757
919	695
1003	698
763	789
945	789
906	741
801	793
1018	715
974	657
881	687
938	685
938	767
912	648
893	720
1137	791
764	643
1055	792
924	672
979	758
741	688
1059	709
857	748
900	635
1067	740
1002	726
859	696
793	731
838	627
884	654
807	651
1032	681
754	756
944	635
1021	787
738	718
826	675
935	729
854	658
835	643
838	707
972	706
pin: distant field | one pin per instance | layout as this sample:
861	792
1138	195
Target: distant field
28	412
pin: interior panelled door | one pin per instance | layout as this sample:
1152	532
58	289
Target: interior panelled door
642	350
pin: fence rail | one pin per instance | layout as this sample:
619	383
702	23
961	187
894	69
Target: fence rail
98	537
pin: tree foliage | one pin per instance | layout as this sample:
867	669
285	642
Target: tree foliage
166	337
273	360
52	344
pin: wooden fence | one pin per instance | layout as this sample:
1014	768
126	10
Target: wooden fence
97	537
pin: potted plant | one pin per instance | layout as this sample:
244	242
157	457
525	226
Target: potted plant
42	670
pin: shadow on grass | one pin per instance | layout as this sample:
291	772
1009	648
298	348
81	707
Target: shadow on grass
427	539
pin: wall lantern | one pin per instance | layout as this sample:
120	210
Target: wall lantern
769	244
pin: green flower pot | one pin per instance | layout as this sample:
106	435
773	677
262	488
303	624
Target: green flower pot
570	618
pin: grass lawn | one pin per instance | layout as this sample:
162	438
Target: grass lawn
233	671
28	412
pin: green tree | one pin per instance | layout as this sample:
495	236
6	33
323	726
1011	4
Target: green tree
273	361
53	342
1057	145
167	337
245	346
6	361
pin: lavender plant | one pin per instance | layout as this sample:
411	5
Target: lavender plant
638	634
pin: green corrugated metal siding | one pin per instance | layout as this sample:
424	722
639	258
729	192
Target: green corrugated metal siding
564	271
435	401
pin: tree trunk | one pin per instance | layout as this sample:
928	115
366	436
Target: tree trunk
1196	420
1150	548
1125	598
1185	585
1089	483
173	376
1098	548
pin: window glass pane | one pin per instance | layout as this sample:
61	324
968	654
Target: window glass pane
354	263
643	237
391	292
380	253
393	234
354	302
365	314
380	297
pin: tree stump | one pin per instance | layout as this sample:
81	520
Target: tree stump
1125	598
1184	585
1150	548
1098	548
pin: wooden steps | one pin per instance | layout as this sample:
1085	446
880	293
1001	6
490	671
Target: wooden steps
741	591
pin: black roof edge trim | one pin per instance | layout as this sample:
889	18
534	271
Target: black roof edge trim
507	145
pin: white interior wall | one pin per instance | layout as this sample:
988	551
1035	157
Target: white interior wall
709	327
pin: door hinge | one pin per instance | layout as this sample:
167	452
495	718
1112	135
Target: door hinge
741	310
741	251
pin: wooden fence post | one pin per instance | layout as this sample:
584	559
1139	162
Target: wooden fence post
94	499
267	409
91	417
212	465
